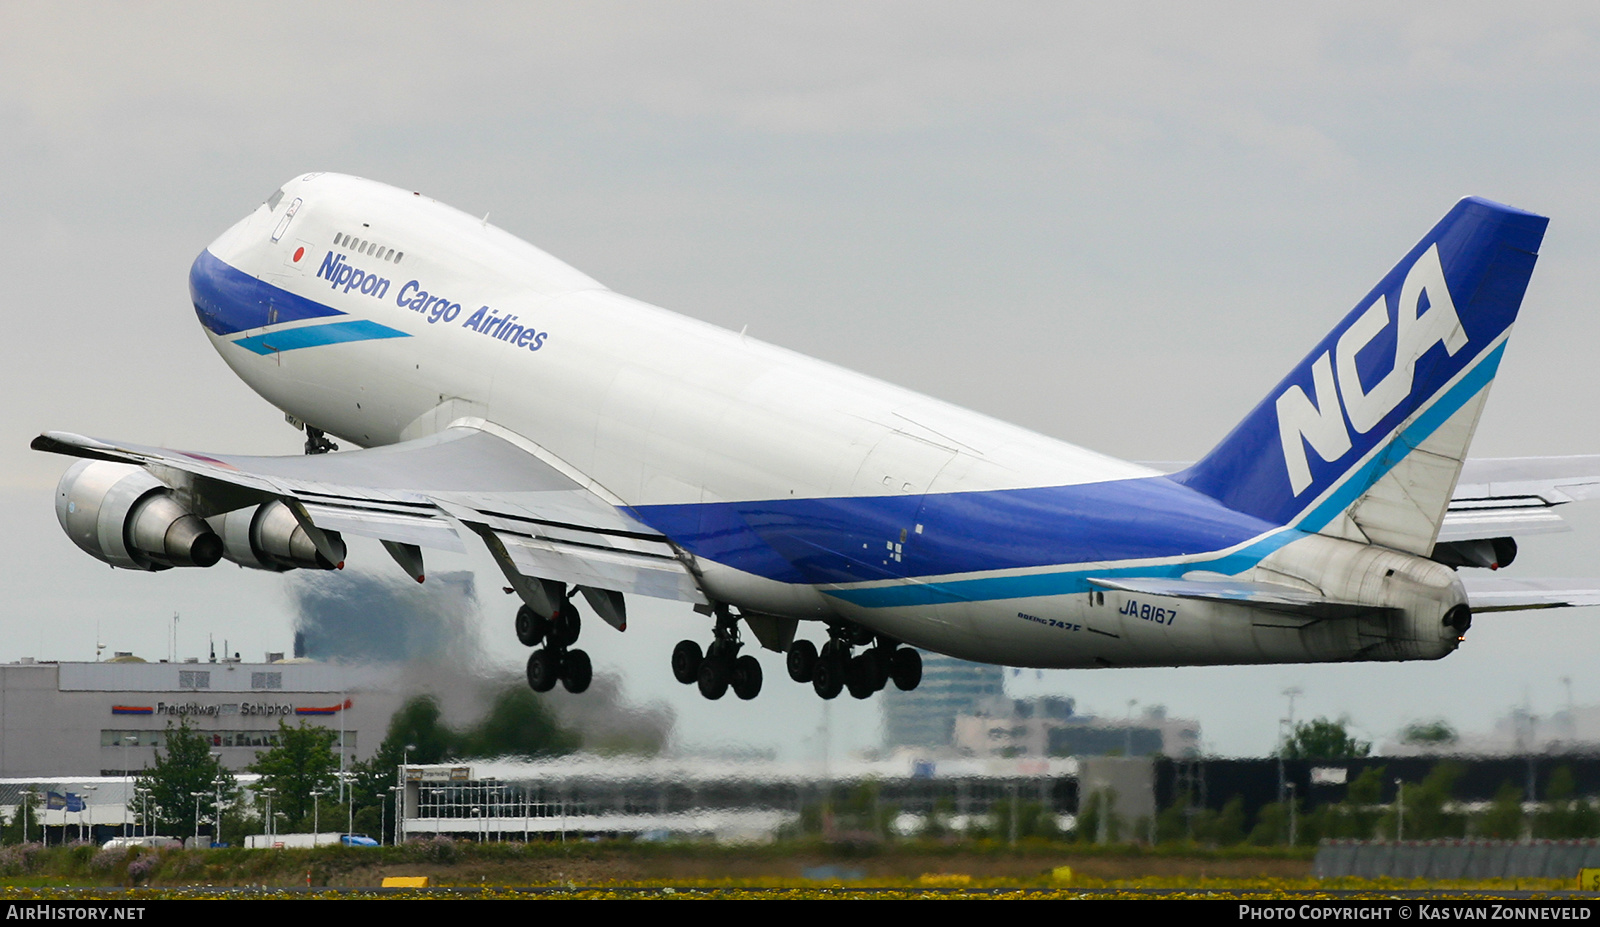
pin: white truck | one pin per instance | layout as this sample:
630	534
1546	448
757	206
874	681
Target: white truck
290	841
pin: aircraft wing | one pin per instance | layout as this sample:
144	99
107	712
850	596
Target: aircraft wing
1504	594
539	520
1517	495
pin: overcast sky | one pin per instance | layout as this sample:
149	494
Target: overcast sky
1117	224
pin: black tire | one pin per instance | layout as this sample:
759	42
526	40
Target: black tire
827	678
906	668
531	626
746	677
686	660
835	649
801	661
859	676
714	678
576	671
565	625
543	670
882	666
860	636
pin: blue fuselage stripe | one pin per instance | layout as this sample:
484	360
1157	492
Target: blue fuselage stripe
854	540
229	301
311	336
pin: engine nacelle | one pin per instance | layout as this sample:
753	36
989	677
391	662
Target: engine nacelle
120	514
269	537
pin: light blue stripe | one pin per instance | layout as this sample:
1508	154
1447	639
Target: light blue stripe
1420	429
1072	582
292	339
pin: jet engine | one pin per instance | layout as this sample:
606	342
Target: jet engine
120	514
269	537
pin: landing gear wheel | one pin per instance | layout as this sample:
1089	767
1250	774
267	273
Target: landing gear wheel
565	625
686	660
905	668
859	675
746	677
714	678
531	626
827	677
543	670
576	671
802	660
882	657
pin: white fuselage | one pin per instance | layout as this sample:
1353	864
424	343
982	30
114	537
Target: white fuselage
660	410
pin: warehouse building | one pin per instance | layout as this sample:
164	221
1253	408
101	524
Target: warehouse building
99	719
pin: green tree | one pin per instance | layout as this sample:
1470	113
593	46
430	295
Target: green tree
1097	820
1503	820
517	725
23	825
185	777
303	762
1321	739
1566	815
1436	733
417	724
1358	815
1426	815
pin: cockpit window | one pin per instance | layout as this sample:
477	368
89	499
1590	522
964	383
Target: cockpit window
272	201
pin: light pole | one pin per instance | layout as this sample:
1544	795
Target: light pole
1291	814
1286	731
143	822
316	813
349	804
216	832
124	740
1399	810
30	796
197	797
269	791
398	798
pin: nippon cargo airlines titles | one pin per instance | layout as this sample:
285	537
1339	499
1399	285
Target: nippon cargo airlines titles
802	509
346	277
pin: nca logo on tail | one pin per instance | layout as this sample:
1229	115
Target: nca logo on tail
1425	316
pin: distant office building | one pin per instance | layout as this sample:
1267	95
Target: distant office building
92	719
1571	730
925	717
1049	727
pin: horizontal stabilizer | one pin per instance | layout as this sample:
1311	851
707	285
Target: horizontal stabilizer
1502	594
1267	596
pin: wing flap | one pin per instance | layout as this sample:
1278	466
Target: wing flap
662	577
402	528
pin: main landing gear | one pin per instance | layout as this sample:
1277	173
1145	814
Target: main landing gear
836	668
554	661
720	666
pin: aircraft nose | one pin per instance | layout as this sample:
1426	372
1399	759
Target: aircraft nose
230	246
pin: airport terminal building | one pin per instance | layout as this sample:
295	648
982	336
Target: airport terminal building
99	719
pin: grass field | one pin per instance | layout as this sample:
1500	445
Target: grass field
626	870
